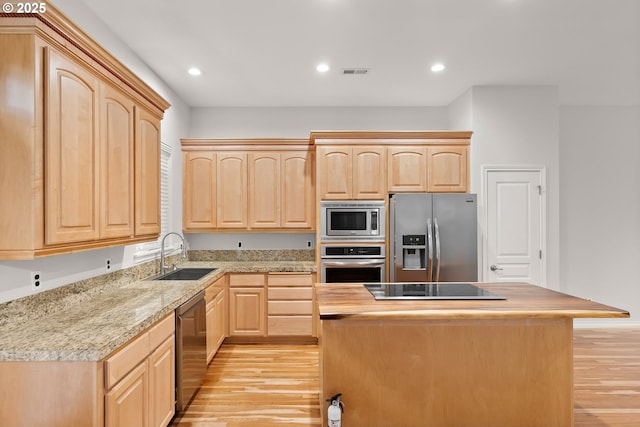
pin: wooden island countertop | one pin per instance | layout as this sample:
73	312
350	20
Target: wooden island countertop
353	300
451	363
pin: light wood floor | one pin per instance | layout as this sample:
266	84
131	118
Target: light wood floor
277	385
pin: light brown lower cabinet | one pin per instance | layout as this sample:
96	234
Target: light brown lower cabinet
290	304
135	386
127	403
162	383
247	305
145	395
270	305
217	316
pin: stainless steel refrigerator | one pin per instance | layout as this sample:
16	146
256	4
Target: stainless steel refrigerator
433	237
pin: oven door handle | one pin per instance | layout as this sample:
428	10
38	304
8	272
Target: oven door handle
348	264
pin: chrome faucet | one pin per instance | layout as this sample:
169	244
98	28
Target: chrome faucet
163	266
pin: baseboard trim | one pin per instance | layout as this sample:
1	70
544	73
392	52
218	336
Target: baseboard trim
605	323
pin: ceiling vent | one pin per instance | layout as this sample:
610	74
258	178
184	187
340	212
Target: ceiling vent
355	71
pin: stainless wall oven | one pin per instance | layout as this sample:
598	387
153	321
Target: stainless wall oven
352	220
352	264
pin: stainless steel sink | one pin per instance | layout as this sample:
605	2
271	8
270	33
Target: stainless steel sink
184	274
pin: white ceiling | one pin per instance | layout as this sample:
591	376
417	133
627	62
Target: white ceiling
264	52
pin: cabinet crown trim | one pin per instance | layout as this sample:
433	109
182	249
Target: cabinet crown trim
257	144
391	137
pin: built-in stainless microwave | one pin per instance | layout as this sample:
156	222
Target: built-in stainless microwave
352	220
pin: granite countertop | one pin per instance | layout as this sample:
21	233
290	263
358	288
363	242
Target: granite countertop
89	328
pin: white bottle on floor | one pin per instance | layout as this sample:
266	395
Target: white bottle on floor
334	413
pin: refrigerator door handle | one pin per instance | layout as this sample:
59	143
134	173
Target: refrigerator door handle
436	273
429	251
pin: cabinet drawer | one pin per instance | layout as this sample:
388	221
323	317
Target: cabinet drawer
290	279
290	307
118	365
290	293
290	325
244	280
161	331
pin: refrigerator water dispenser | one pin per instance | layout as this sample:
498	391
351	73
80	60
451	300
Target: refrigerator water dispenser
413	252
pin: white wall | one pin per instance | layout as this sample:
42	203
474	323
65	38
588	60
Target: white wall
600	204
299	122
63	269
460	113
518	126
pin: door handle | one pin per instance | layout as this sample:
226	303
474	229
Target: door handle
496	268
429	253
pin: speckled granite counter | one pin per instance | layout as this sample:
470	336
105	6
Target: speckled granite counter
89	324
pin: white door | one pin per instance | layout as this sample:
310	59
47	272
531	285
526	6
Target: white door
515	226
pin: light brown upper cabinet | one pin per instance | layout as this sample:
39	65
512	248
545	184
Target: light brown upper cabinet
448	169
199	190
368	165
351	172
147	176
231	190
407	168
297	189
247	184
334	167
264	189
116	164
84	128
280	189
72	151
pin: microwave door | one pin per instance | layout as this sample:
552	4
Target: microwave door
346	222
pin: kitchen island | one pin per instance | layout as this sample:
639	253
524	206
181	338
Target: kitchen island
451	363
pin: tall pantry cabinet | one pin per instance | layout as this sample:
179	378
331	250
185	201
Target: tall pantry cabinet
80	146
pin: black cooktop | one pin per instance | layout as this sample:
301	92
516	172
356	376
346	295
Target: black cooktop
429	291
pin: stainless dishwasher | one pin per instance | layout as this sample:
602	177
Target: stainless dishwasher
191	348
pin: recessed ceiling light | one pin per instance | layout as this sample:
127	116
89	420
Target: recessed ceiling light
322	68
195	71
436	68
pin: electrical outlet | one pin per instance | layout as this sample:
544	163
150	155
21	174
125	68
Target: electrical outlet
239	244
308	243
107	265
36	280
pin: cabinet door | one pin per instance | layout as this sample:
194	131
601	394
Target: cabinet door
298	191
199	190
71	154
220	323
211	319
264	190
447	169
334	172
247	314
231	195
369	173
147	173
407	168
162	384
116	164
127	403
